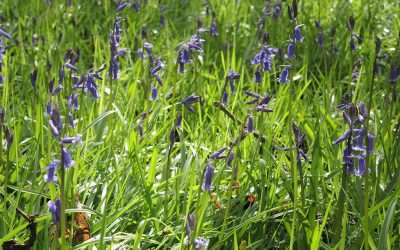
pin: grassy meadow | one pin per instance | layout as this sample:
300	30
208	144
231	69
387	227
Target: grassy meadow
215	124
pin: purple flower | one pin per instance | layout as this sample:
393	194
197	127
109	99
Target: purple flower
121	6
178	121
298	38
353	44
263	109
51	174
190	224
249	128
159	65
55	209
208	174
49	108
257	77
290	52
231	156
154	94
266	64
213	30
190	100
158	80
200	242
61	76
136	5
71	120
51	86
73	101
3	33
54	129
231	76
67	161
70	66
394	74
344	137
75	140
33	76
320	40
370	143
181	63
362	169
56	90
225	98
91	87
284	76
217	154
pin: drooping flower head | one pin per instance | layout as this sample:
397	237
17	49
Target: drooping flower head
50	176
284	78
208	174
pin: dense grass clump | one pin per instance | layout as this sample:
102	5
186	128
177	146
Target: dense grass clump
149	124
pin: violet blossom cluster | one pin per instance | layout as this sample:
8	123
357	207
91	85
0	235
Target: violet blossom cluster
187	50
355	138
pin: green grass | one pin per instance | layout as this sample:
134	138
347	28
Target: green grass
122	177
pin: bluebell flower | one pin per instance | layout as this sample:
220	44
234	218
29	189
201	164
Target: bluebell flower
67	160
353	44
217	154
266	64
56	90
254	95
70	66
370	143
178	121
186	55
158	79
190	100
190	223
5	34
154	94
33	76
91	87
394	73
257	77
74	140
208	174
55	209
284	76
262	108
290	52
51	86
249	128
51	173
159	65
181	63
136	5
54	130
225	98
213	30
231	76
49	108
231	156
200	243
320	40
121	6
73	101
277	10
71	120
298	38
61	76
56	118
